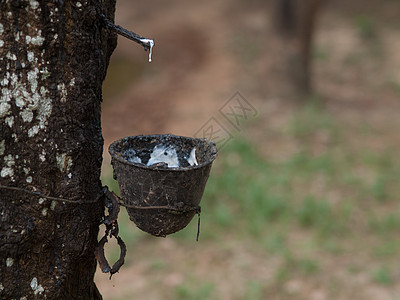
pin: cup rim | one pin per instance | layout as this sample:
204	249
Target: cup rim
113	152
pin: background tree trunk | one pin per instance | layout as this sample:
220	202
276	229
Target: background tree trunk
53	59
296	21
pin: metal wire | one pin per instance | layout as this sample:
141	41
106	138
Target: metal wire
39	194
196	209
45	196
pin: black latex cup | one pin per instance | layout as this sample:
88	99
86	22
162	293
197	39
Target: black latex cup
161	200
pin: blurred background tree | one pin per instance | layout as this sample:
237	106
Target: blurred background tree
297	21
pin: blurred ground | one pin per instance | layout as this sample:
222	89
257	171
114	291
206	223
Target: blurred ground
330	163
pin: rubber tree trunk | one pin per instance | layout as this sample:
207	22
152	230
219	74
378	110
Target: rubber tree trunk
53	59
297	20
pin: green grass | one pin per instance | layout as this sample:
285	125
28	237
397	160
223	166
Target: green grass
259	193
195	291
335	199
395	86
308	266
313	120
383	275
315	213
365	26
387	249
388	223
323	195
253	290
296	266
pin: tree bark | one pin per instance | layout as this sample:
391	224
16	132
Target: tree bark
53	60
